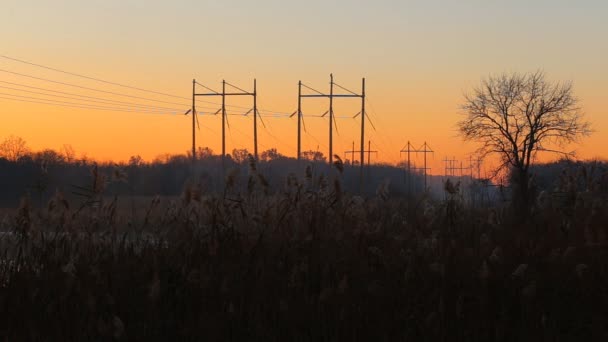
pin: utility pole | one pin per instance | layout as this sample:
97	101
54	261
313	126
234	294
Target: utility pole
331	97
223	124
408	149
478	165
362	131
255	119
369	152
224	94
352	153
449	166
193	122
452	168
331	118
424	149
299	119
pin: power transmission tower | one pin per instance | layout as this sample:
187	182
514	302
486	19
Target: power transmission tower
331	97
352	152
408	149
223	94
462	168
449	166
478	166
424	149
369	152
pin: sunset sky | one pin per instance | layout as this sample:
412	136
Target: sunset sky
418	57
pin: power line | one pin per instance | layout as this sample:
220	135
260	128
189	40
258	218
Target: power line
91	78
267	111
87	88
118	84
103	101
87	96
64	102
81	106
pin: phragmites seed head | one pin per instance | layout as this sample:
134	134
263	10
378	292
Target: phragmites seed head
231	177
322	182
484	271
337	188
338	163
292	180
382	191
450	187
187	195
196	193
119	174
520	271
263	181
496	256
23	215
250	184
99	180
252	163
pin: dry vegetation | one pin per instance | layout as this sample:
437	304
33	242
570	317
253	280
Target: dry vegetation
308	262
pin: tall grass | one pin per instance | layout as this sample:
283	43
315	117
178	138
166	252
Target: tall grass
301	263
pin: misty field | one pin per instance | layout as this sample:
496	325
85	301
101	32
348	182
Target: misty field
306	262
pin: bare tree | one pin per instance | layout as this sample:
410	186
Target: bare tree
13	148
270	154
240	155
313	156
69	153
515	116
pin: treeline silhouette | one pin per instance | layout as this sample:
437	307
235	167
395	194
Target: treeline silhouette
41	174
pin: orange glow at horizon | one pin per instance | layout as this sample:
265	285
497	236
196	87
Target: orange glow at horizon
418	59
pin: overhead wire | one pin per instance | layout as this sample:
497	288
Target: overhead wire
267	111
83	106
88	88
341	87
316	91
91	78
94	100
80	95
115	105
77	104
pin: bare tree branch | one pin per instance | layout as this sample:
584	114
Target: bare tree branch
516	115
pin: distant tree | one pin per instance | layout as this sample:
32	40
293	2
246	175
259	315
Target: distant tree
136	161
313	155
68	153
204	152
270	154
162	158
240	155
178	159
13	148
49	157
515	116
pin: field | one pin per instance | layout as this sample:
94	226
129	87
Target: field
307	262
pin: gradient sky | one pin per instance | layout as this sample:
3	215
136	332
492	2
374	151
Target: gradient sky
418	58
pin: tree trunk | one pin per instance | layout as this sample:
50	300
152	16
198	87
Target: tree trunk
522	196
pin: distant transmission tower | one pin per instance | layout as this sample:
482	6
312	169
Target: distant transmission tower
424	149
223	94
369	155
331	97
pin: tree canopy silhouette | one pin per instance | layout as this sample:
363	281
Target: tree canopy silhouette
515	116
13	148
